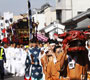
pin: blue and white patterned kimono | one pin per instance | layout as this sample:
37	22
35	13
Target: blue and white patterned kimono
36	71
28	65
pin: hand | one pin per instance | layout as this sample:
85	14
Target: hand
66	47
32	62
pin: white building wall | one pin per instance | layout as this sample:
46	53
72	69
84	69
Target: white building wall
16	18
68	4
70	8
80	6
60	4
50	15
7	17
66	14
63	4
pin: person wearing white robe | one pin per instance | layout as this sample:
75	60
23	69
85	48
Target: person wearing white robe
23	58
11	58
18	56
20	61
8	63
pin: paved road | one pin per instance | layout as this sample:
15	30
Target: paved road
13	78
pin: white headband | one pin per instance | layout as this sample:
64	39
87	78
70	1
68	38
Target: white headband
52	44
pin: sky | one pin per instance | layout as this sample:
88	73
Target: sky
20	6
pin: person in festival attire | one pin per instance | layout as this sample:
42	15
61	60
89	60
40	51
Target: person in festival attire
27	64
2	59
51	72
44	61
48	47
11	58
23	58
54	66
41	58
36	70
18	56
76	63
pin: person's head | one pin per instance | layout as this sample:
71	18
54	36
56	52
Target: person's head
37	44
30	45
17	45
57	50
34	44
42	50
26	48
41	45
52	44
21	46
13	44
50	57
5	45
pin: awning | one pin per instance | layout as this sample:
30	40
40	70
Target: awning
41	37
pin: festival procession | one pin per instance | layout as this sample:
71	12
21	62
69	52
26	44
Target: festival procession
45	40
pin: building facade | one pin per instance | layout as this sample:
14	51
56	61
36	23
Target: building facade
55	27
67	9
45	16
50	15
40	18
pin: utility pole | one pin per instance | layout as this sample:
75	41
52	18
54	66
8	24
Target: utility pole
29	20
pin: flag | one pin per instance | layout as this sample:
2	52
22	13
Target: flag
30	19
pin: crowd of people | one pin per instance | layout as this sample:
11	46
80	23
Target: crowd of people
40	61
14	57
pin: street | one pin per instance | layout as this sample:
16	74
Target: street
13	78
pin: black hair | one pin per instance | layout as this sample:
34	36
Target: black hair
56	42
33	40
56	48
51	41
3	43
12	42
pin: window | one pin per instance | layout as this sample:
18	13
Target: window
59	15
59	0
79	12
